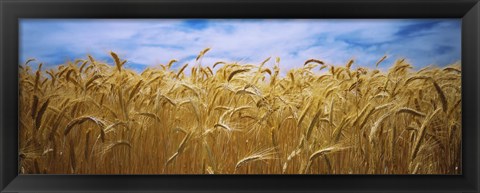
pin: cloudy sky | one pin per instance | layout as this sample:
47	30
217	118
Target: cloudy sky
156	41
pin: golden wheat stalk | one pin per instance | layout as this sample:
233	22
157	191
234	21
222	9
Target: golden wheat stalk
264	154
80	120
421	134
202	53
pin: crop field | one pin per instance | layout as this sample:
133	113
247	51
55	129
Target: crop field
93	117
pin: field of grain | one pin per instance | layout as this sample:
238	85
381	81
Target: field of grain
90	117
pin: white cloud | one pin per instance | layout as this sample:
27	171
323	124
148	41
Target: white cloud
150	42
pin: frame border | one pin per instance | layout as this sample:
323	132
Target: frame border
12	10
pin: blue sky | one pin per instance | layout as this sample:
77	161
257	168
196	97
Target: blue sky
150	42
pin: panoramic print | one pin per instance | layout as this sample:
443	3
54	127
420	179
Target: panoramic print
240	96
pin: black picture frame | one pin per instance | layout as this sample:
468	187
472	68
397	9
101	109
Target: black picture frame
12	10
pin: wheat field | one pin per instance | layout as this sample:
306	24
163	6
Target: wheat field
91	117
